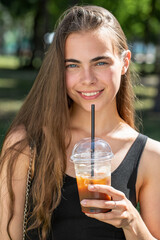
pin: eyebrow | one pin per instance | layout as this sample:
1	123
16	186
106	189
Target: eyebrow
92	60
72	60
99	58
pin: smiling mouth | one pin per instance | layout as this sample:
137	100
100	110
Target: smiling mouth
91	95
88	94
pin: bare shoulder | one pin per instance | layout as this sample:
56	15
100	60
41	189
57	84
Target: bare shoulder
13	147
18	134
13	174
150	162
152	149
149	192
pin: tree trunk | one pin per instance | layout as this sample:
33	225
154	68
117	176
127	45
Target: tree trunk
41	26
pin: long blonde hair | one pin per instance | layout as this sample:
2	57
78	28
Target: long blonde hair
45	113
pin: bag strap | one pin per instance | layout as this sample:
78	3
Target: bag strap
28	185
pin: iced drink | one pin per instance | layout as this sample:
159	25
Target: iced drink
84	193
92	172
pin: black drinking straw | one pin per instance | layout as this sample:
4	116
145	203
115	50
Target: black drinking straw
92	137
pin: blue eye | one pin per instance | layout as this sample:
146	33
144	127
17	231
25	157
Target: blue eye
101	63
71	66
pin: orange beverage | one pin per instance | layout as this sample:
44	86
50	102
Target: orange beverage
84	193
92	168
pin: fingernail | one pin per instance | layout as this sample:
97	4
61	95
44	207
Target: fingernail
91	187
83	202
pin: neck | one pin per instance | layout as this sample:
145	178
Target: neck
106	121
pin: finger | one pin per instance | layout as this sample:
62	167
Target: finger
101	216
114	193
114	205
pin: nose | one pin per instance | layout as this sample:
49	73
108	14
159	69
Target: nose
88	77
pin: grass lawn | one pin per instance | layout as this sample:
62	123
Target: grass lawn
15	84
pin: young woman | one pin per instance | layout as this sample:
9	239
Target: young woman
87	63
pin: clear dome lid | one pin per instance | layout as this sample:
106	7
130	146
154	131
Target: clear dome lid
82	150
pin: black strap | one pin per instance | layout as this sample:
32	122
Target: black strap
125	176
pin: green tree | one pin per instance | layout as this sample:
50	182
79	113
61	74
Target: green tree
140	20
44	14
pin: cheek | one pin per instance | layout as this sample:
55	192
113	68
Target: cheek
116	81
70	85
113	79
69	82
116	72
111	76
69	89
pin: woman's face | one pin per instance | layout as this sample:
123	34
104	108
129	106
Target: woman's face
93	70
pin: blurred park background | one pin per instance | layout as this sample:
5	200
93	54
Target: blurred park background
27	29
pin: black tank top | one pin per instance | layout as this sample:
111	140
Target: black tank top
68	221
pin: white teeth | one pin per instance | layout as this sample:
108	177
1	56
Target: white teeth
90	94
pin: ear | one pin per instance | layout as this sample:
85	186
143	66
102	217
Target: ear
126	59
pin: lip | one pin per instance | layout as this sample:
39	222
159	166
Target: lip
90	95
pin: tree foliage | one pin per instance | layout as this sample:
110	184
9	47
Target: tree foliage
140	19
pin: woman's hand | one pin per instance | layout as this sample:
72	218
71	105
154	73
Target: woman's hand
123	212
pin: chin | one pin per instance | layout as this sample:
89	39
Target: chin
87	107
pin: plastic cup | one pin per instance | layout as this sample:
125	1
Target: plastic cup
95	170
